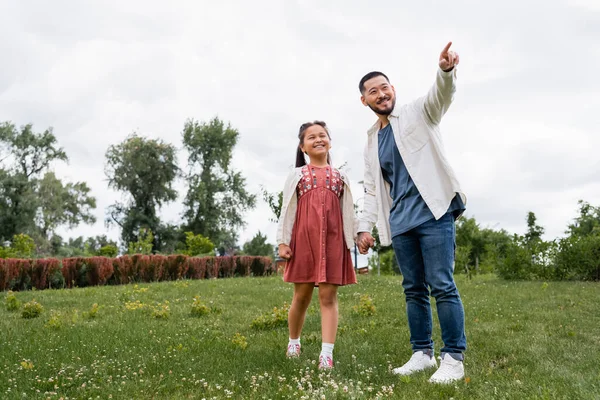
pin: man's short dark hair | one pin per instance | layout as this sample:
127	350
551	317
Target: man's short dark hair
370	75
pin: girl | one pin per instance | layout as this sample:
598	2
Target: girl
315	232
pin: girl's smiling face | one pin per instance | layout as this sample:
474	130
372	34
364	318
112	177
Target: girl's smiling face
316	142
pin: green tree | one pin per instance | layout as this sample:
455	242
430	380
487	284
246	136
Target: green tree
468	236
274	201
144	243
18	204
534	231
21	246
258	246
145	170
217	197
588	221
198	245
27	196
60	204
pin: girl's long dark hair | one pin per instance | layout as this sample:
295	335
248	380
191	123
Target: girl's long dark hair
300	160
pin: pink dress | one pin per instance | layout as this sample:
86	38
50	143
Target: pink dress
319	251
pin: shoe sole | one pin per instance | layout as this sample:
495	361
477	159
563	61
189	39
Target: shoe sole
413	371
446	381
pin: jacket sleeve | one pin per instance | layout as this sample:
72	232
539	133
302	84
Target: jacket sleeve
440	96
347	206
288	207
368	218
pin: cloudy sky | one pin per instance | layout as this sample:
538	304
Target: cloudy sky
522	133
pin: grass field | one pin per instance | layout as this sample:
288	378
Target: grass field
527	340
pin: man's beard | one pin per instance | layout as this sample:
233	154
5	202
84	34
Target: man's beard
385	111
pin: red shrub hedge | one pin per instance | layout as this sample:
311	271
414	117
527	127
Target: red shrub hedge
23	274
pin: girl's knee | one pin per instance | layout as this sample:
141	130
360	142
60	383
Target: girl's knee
302	299
328	299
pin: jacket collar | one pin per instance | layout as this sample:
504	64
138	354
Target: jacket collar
375	127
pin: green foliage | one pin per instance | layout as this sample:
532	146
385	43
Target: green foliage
61	205
271	320
144	169
161	310
534	231
32	309
514	322
275	201
388	265
518	261
258	246
108	251
463	259
478	250
11	301
587	222
217	195
93	311
578	258
81	247
198	245
55	320
32	201
199	308
18	204
365	306
144	243
239	341
21	246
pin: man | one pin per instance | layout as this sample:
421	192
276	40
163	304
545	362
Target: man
413	196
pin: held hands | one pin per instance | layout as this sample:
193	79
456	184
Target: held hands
364	241
448	59
285	252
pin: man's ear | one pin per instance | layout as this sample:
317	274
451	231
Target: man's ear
362	100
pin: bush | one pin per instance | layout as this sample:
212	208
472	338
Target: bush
125	270
22	246
243	265
518	262
198	308
239	341
12	303
144	244
275	319
578	258
45	273
388	265
198	245
54	322
32	309
262	266
365	306
176	267
93	311
108	251
196	267
161	311
23	274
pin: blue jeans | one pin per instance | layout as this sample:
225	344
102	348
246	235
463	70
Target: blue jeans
426	258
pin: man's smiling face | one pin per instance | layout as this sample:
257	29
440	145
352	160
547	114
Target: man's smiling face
379	95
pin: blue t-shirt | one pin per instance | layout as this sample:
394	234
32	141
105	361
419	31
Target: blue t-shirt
409	210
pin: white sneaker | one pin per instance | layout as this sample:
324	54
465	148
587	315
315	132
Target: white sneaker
450	370
418	362
293	350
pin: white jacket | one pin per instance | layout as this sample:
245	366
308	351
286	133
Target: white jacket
289	206
417	135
